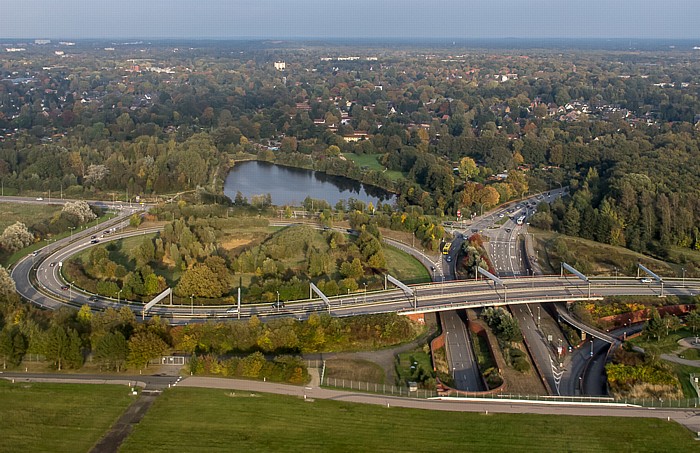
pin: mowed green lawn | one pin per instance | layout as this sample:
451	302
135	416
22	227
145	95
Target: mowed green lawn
404	266
371	161
199	420
57	417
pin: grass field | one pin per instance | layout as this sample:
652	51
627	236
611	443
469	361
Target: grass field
409	364
57	417
405	267
666	345
26	213
197	420
683	372
355	370
371	161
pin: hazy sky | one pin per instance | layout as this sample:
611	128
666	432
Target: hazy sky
72	19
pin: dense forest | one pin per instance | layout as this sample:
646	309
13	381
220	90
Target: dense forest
619	128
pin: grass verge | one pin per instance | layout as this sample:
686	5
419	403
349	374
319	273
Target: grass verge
221	420
404	266
683	374
667	344
58	417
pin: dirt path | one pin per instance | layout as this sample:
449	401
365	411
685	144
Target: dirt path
122	428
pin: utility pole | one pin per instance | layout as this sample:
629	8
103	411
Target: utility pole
683	269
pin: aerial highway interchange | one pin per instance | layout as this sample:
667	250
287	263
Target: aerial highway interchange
39	279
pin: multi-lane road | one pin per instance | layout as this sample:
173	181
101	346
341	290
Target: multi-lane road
431	297
39	280
465	369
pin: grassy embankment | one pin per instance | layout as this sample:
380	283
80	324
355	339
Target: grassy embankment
602	259
220	420
58	417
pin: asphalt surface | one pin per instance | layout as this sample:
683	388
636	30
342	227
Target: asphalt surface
145	381
460	353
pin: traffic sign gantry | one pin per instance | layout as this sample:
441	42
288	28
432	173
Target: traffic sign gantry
408	291
155	300
320	294
576	273
496	281
652	275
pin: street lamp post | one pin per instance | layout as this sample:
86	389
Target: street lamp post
278	301
365	292
71	232
616	275
192	304
683	284
118	294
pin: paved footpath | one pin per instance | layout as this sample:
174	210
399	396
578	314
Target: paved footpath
687	417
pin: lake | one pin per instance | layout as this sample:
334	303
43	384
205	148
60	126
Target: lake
290	186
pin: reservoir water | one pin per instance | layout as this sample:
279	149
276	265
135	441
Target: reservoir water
290	186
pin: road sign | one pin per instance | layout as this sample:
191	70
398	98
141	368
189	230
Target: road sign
459	213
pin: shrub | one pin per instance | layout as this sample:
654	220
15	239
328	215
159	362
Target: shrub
521	364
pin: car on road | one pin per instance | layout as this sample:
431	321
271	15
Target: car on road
93	237
507	230
646	280
52	264
448	259
501	215
39	199
93	299
64	287
94	241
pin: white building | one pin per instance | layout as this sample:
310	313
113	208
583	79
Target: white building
280	65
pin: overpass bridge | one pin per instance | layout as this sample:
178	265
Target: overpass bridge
40	282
